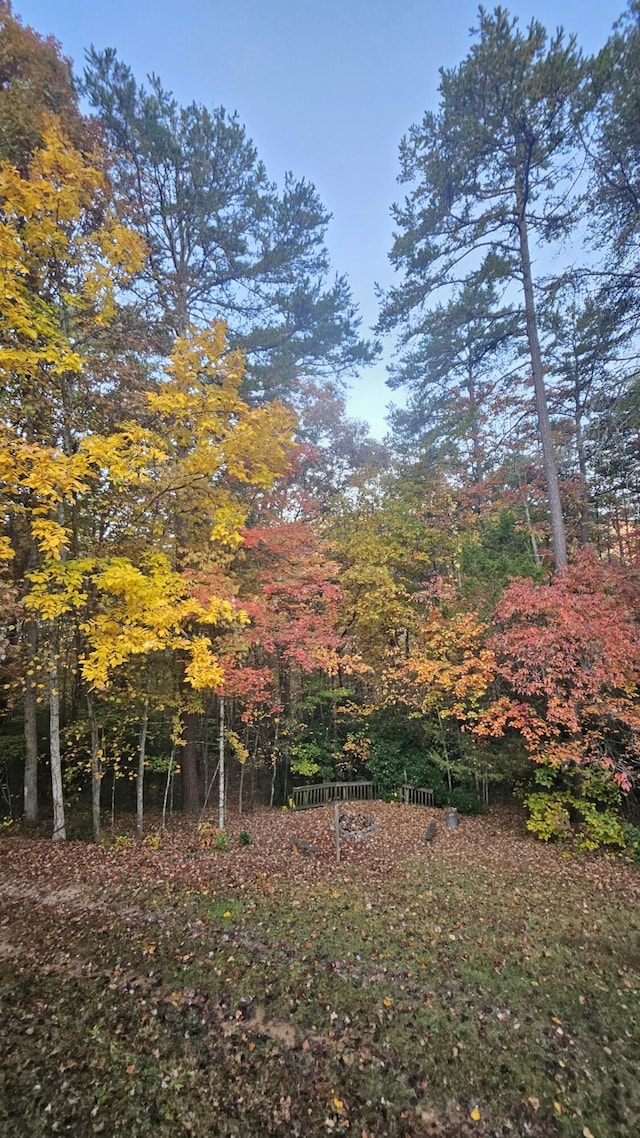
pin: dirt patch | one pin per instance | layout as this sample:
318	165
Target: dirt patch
278	1030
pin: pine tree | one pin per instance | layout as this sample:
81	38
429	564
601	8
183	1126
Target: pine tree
225	243
492	172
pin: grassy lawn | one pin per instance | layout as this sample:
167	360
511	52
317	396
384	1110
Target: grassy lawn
451	993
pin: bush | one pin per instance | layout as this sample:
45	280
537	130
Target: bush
599	827
557	815
123	842
632	840
464	799
548	816
221	843
401	750
244	838
210	838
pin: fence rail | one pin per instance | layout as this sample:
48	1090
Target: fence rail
415	795
305	797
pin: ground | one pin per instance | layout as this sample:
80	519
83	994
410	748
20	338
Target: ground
481	984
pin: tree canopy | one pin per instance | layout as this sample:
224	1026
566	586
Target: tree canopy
204	556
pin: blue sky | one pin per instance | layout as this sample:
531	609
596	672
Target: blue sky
325	89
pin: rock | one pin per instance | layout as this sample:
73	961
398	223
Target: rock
304	847
355	826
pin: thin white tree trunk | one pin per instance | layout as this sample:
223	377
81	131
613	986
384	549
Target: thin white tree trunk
532	536
59	828
96	770
142	747
166	789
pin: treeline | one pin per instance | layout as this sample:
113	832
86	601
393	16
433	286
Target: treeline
208	569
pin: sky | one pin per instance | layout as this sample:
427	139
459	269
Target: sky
325	88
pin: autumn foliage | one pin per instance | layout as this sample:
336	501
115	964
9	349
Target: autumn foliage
569	651
192	566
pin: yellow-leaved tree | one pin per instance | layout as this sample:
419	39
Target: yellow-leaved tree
65	254
222	454
162	500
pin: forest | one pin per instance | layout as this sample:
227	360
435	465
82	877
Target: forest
219	592
215	584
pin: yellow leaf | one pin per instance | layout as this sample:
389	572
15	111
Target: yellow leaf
558	1107
475	1114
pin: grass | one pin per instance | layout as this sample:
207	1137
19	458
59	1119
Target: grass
446	998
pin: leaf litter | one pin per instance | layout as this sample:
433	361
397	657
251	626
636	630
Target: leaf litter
473	985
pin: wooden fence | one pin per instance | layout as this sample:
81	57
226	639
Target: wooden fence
415	795
305	797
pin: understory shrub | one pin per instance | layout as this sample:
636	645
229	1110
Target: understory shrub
578	805
465	800
401	750
632	839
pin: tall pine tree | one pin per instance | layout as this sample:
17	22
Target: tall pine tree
491	175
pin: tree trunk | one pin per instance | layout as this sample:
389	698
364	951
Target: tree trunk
96	770
30	808
532	536
189	764
476	444
241	788
142	746
166	789
59	829
274	764
585	512
544	424
221	786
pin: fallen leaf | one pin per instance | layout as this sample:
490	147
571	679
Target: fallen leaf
475	1114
